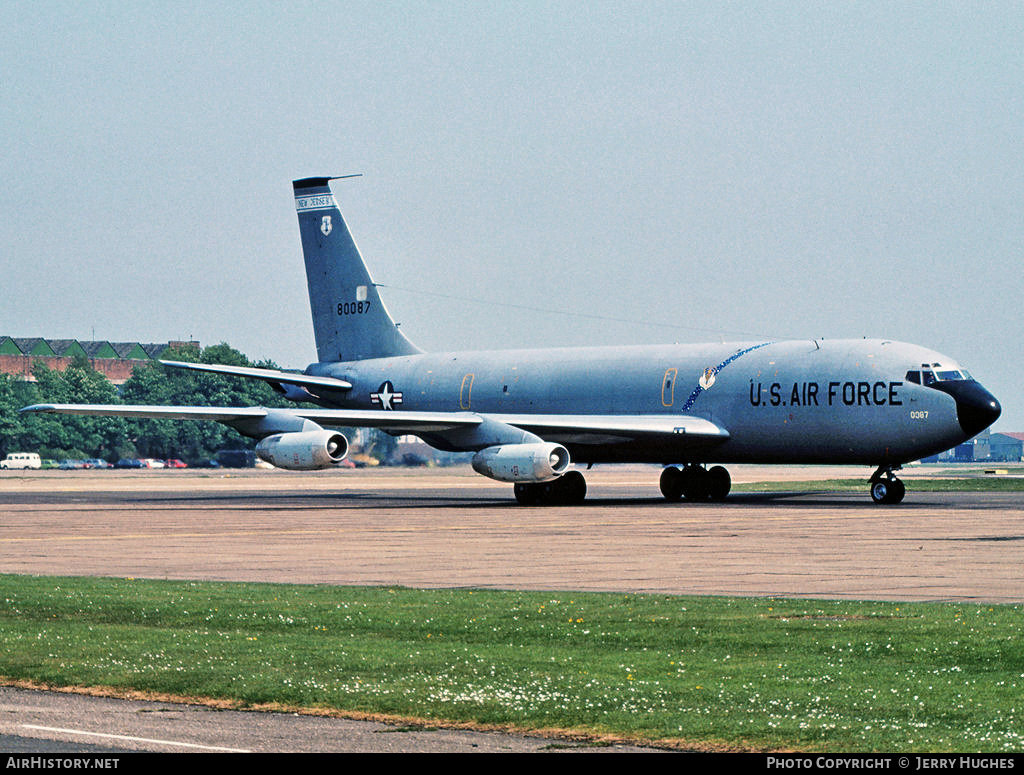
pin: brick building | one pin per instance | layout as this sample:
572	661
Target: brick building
114	360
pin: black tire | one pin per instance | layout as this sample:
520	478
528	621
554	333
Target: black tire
695	483
896	491
527	493
570	489
672	484
888	492
719	483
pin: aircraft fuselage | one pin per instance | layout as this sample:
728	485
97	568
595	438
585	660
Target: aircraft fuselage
802	401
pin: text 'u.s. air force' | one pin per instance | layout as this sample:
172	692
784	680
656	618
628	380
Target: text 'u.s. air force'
826	394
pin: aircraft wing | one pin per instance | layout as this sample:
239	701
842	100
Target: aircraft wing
398	422
267	375
221	414
579	429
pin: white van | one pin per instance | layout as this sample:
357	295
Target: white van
21	460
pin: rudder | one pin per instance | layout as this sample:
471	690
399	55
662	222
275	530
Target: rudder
350	322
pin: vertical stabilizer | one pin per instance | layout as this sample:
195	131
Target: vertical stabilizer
349	321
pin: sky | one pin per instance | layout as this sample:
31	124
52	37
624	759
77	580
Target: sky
533	173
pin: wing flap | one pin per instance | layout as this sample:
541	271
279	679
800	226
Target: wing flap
604	429
392	421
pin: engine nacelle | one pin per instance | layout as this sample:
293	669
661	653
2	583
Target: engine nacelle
303	451
538	462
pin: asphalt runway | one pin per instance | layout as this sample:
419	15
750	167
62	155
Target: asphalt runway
103	727
452	528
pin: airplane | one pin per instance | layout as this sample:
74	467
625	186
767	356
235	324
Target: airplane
529	415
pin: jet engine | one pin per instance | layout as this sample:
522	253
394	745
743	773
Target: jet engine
538	462
303	451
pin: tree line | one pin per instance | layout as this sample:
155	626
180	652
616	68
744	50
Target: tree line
112	438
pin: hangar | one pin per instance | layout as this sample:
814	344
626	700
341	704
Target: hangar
1007	447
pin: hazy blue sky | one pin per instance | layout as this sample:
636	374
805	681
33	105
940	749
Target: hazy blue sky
662	171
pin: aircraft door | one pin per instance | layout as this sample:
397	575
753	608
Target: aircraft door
466	392
668	387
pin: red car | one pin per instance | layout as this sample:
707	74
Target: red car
175	463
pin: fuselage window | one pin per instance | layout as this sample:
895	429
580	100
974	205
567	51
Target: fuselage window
927	377
914	376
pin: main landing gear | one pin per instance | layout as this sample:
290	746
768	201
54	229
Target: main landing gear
886	488
569	489
695	483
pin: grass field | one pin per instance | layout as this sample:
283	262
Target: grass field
967	484
701	673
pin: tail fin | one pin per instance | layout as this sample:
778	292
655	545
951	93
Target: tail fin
349	321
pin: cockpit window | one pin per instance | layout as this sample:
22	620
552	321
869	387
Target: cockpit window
926	376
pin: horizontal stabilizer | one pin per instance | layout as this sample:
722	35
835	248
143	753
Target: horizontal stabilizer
267	375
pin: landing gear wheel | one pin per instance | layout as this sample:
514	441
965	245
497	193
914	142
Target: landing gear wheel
570	489
672	484
719	483
887	491
527	493
695	483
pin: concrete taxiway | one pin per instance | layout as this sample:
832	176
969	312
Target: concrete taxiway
451	528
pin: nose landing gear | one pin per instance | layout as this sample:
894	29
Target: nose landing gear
886	488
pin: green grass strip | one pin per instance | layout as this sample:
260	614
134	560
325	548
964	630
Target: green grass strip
704	672
992	484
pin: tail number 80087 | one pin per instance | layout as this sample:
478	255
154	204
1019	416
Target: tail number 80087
353	307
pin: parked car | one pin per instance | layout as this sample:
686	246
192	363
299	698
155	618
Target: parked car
128	462
21	460
148	462
97	462
175	463
71	465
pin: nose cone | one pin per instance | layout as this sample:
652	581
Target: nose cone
976	408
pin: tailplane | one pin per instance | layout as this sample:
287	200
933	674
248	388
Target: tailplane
350	322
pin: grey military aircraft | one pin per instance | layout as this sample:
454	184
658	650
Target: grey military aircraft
529	415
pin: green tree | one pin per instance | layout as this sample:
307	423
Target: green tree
69	435
155	384
152	384
12	425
